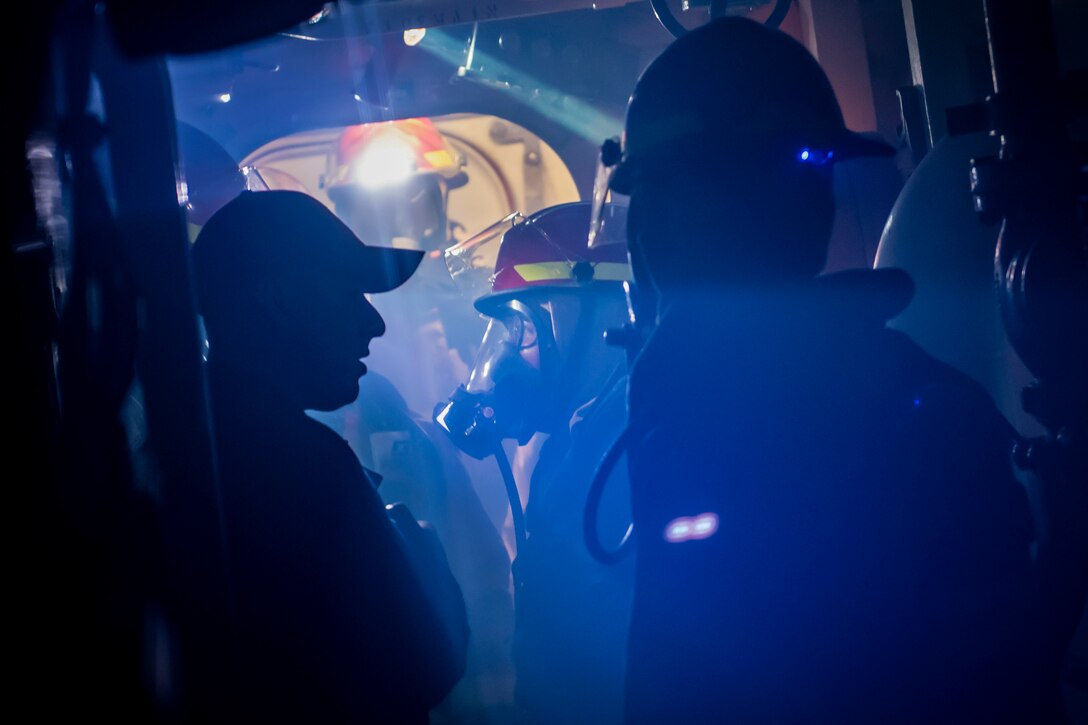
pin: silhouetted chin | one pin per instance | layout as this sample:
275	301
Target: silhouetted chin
329	399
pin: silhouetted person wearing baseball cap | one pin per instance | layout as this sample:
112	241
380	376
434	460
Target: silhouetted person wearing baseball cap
347	612
827	524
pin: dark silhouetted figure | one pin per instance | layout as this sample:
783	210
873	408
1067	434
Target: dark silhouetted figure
346	611
827	522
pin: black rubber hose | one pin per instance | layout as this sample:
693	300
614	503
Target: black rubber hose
516	512
593	505
781	8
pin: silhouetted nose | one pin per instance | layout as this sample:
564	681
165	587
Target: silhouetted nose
373	325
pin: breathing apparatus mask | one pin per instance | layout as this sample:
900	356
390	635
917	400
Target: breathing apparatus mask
469	416
506	392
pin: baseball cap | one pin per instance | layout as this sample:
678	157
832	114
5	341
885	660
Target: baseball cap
262	232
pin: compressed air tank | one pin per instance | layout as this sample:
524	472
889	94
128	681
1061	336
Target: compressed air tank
934	233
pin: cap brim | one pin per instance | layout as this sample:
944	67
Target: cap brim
382	269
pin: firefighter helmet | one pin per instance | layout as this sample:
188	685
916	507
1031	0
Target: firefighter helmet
544	251
373	155
733	85
390	181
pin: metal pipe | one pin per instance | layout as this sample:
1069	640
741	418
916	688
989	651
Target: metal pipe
393	17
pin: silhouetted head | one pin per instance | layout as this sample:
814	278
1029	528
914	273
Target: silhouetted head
281	285
729	141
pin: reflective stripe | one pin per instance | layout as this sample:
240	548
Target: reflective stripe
543	271
439	159
612	271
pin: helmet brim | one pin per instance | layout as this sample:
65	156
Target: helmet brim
854	145
489	304
846	145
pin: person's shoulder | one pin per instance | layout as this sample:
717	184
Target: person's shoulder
937	385
965	443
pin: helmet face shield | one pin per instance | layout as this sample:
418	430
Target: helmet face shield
510	347
472	261
607	162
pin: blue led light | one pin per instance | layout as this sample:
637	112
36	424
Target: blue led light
818	157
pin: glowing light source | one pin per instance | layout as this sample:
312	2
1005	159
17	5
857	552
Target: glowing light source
688	528
223	98
389	160
815	156
678	530
413	36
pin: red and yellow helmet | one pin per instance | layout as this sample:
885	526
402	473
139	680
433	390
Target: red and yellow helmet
371	156
544	251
